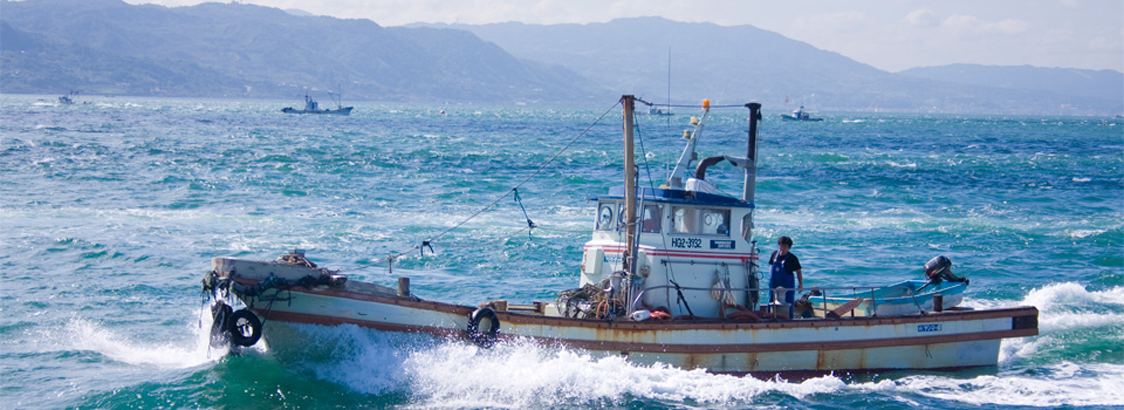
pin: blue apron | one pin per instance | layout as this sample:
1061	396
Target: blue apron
780	277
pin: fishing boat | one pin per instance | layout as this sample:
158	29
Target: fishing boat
669	276
800	115
313	107
67	98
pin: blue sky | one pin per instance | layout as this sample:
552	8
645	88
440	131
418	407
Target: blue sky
891	35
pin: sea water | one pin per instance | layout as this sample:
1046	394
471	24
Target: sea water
110	212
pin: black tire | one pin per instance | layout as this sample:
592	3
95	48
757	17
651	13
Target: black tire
244	327
485	337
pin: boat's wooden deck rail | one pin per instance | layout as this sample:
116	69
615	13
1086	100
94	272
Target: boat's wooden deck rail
857	291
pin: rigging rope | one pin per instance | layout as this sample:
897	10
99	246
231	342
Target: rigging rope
689	105
530	224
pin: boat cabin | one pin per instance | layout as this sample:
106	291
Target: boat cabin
694	252
698	241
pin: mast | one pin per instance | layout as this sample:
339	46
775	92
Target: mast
629	184
751	169
682	166
669	80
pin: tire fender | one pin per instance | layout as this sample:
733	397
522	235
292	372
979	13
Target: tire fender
244	327
483	336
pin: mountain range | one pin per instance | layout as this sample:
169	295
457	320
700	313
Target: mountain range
245	51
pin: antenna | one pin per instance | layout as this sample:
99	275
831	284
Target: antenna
669	79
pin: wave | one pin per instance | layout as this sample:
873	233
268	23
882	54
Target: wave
1059	385
450	374
1074	324
87	335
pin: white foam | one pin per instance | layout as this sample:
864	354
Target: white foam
1063	308
516	375
86	335
523	375
1085	233
1064	384
1070	297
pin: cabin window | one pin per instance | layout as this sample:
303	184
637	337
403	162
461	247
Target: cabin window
716	222
605	217
650	220
684	220
747	226
704	221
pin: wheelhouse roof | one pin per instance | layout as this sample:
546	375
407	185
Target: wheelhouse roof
678	196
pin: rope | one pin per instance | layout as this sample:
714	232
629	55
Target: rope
426	243
689	105
530	224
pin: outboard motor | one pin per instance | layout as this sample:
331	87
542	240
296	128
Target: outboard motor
940	268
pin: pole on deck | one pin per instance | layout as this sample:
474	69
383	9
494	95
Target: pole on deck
751	171
629	183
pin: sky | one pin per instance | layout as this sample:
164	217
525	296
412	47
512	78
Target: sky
892	35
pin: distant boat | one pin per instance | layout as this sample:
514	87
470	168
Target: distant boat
312	107
66	100
800	115
657	111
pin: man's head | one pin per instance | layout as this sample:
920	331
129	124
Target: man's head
784	243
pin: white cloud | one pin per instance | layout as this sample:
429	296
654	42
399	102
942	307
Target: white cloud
922	18
1009	26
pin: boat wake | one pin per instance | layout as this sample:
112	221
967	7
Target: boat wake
455	374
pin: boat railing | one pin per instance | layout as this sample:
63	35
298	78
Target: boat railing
854	292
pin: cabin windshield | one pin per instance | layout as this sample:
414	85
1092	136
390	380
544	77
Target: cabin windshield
701	221
605	216
650	219
611	215
747	227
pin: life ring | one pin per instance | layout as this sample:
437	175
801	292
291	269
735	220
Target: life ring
244	327
483	337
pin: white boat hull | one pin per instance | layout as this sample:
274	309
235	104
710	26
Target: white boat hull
938	341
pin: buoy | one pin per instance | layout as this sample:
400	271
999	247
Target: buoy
641	315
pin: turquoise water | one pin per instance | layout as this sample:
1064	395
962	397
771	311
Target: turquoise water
112	210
